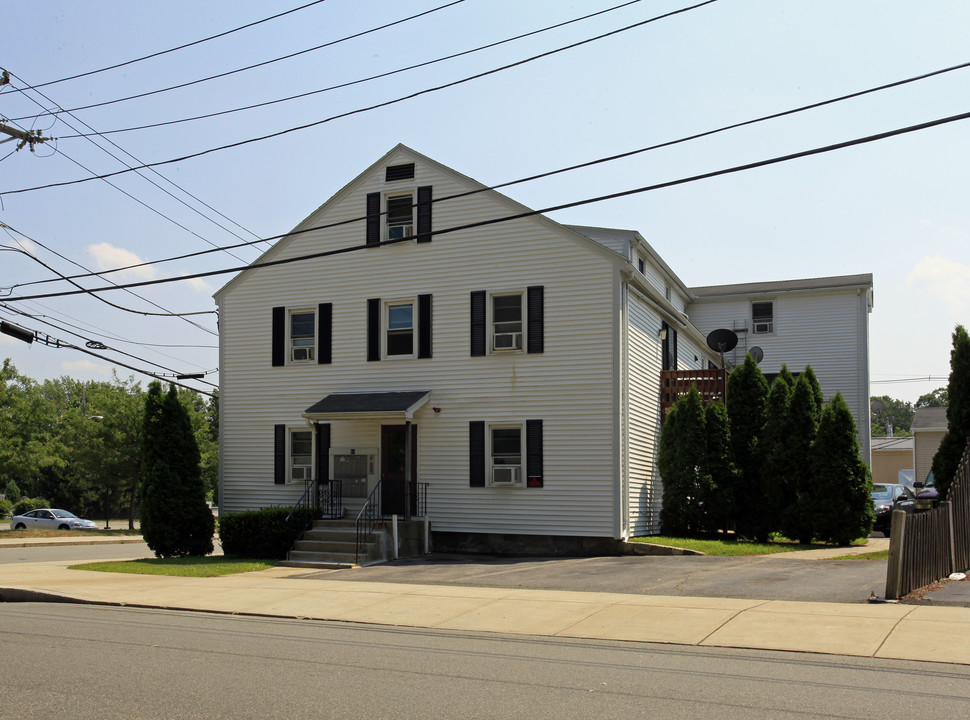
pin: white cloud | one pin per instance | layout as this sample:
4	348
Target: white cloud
199	285
86	367
945	279
107	256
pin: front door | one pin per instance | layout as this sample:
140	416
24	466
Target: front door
394	493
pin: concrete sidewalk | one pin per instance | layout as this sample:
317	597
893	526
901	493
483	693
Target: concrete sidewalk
910	632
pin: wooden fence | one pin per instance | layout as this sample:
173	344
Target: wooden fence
926	547
711	384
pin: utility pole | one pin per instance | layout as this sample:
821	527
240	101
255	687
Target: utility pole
26	137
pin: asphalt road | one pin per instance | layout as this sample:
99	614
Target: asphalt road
96	662
759	578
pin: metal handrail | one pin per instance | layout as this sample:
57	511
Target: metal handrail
371	514
327	498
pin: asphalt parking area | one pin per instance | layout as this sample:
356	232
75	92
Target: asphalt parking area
752	577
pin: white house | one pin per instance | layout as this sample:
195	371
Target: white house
521	357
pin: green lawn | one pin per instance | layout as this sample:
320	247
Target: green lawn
210	566
729	547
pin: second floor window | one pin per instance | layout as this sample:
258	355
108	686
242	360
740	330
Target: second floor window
400	329
302	337
762	317
507	322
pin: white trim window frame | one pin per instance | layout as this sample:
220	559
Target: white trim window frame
762	317
400	333
301	335
506	322
505	452
399	216
300	455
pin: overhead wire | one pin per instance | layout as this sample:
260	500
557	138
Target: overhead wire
264	63
531	213
376	106
366	79
180	47
570	168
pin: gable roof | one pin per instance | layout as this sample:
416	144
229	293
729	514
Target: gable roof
399	152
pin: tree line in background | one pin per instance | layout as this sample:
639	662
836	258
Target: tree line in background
80	445
887	412
774	460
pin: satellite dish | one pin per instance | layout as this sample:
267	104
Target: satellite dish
722	340
877	406
757	353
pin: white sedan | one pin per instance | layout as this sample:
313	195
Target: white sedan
51	519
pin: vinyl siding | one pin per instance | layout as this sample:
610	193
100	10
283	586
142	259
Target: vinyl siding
570	386
926	443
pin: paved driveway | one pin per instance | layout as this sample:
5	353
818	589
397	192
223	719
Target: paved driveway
771	577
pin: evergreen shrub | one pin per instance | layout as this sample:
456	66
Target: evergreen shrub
263	533
28	504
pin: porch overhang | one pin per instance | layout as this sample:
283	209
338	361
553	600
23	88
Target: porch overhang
381	405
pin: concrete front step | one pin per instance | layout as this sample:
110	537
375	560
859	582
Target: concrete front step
330	544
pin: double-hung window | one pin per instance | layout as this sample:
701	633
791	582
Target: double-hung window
506	454
762	317
302	335
301	455
400	216
400	328
507	322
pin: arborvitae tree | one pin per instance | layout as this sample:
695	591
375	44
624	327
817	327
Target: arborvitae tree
777	461
843	482
796	518
951	449
816	388
747	399
687	485
720	466
175	519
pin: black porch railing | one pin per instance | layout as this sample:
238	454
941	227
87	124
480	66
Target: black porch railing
374	512
326	497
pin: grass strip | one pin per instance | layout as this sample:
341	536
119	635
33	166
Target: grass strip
210	566
730	547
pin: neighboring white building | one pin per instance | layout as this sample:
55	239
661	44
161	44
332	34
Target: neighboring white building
822	322
929	427
523	358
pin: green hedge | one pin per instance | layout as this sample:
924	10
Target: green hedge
263	533
28	504
6	507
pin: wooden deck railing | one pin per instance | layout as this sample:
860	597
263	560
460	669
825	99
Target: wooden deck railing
711	384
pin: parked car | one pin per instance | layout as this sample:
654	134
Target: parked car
927	496
51	519
888	497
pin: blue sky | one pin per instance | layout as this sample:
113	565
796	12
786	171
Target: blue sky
896	208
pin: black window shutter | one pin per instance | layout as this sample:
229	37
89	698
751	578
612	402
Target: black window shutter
323	452
665	345
279	454
476	453
478	323
533	453
535	295
374	329
424	326
424	213
279	336
673	359
373	218
324	333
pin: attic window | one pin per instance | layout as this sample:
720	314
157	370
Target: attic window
399	172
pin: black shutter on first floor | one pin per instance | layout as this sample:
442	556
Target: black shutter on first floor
476	453
424	214
424	326
478	335
373	218
323	452
279	454
533	453
535	296
374	329
279	336
324	333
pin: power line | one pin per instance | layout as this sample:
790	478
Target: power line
532	213
180	47
550	173
260	64
366	79
387	103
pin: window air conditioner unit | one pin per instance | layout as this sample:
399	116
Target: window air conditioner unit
301	353
508	341
396	232
762	327
506	474
300	472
